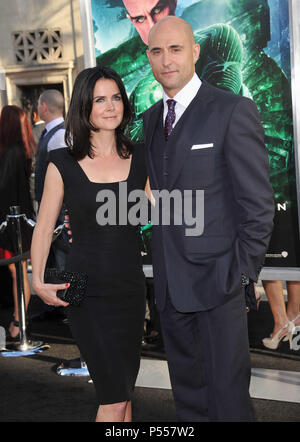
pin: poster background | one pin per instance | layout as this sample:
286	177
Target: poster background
261	69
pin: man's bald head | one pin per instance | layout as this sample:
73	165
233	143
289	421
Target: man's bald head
50	105
175	23
172	53
54	101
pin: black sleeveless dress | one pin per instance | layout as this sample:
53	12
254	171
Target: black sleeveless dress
108	325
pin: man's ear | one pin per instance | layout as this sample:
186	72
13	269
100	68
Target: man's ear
196	52
45	107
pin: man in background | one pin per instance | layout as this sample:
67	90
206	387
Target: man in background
38	125
50	109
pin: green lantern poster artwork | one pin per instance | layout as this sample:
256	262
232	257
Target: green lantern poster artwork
245	48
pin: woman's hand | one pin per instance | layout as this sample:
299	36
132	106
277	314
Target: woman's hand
47	293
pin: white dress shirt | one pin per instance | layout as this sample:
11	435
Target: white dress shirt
57	141
183	98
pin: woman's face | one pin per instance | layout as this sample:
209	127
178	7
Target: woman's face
108	108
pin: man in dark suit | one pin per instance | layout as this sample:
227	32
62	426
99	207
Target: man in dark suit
50	109
202	138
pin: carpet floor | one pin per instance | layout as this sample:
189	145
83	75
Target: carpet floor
31	390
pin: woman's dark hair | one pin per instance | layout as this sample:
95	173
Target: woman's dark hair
15	131
78	125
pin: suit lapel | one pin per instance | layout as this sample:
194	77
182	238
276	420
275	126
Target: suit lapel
187	130
151	123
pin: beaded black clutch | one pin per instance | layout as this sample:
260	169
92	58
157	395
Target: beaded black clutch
75	294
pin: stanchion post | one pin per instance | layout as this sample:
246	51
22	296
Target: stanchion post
18	248
24	345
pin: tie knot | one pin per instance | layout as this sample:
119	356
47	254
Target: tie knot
171	104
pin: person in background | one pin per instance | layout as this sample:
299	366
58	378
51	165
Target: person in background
17	147
38	126
285	318
50	109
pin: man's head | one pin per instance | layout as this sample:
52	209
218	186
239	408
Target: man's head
50	105
172	53
143	14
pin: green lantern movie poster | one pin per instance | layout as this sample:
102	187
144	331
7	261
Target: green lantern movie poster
245	48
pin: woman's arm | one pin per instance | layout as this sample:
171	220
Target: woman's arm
42	236
149	193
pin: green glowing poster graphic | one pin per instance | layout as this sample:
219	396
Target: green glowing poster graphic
245	48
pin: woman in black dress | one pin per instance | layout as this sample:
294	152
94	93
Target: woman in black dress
17	148
108	325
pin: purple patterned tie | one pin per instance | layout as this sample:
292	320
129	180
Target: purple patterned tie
170	118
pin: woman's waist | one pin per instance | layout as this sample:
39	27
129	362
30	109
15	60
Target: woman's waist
105	268
96	235
118	250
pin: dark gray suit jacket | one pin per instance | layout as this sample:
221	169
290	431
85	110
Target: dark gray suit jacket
204	271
